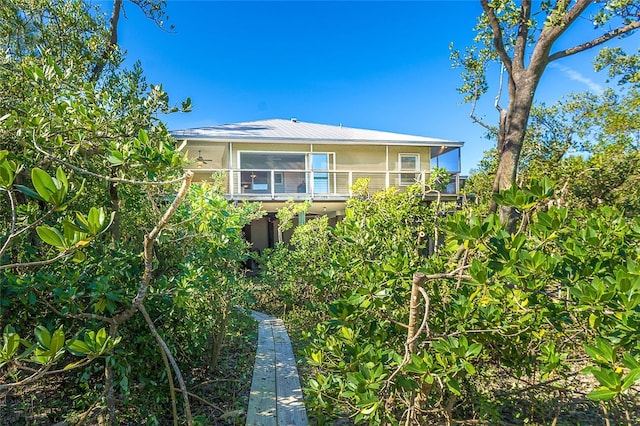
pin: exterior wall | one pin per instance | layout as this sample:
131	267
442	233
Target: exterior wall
348	157
356	158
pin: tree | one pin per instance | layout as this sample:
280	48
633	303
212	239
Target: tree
67	136
521	40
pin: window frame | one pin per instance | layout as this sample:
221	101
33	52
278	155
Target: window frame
413	177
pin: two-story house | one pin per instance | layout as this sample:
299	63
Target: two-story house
272	161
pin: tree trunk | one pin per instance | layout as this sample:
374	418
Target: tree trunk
509	148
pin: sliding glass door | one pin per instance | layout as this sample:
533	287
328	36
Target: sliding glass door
320	166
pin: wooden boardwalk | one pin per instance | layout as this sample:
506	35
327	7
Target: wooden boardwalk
276	394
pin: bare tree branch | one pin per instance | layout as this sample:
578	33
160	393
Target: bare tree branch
61	255
523	35
551	33
596	41
113	41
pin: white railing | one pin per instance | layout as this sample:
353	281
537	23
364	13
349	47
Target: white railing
328	184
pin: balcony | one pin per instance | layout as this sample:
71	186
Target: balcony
320	185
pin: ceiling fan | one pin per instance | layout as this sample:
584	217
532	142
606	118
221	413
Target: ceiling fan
200	160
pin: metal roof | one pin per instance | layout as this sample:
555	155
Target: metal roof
292	131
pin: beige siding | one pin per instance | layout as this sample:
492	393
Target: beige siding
270	147
348	157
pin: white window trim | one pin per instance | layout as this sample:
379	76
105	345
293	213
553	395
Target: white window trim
416	170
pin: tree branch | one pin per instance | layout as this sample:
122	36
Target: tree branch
15	233
498	42
37	263
550	34
596	41
166	354
99	176
113	41
523	34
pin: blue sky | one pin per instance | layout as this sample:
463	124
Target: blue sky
375	65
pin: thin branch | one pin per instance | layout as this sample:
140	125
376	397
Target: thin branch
149	241
14	234
83	315
113	41
39	262
496	102
596	41
204	401
551	33
35	376
409	342
163	347
477	120
103	177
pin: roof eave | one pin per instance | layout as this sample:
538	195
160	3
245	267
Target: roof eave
299	141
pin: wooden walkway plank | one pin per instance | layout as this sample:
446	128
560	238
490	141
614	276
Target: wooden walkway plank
262	399
276	394
290	405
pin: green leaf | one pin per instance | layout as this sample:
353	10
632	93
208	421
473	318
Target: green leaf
602	394
115	158
7	173
57	340
78	347
43	183
29	192
607	378
72	365
630	379
82	223
43	337
143	136
101	337
63	185
51	236
79	257
454	386
95	220
630	362
11	343
602	352
473	350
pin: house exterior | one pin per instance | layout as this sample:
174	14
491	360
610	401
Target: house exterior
272	161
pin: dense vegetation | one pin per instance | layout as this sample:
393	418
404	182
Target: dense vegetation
514	326
530	316
119	278
116	274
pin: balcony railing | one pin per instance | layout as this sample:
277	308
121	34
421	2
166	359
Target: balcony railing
316	184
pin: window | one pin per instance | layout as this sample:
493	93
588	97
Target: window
446	157
409	162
